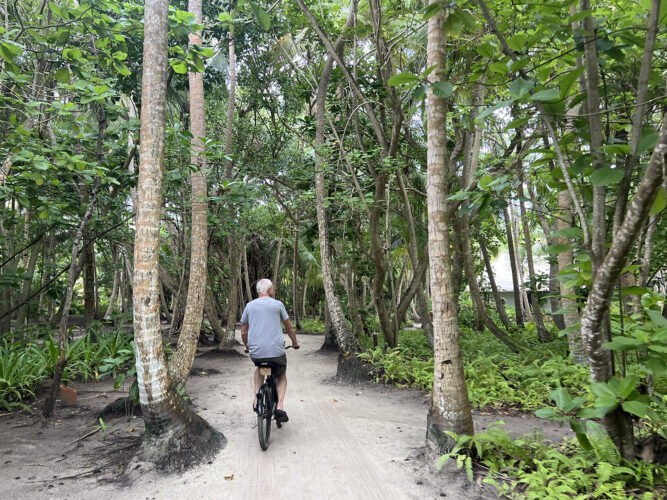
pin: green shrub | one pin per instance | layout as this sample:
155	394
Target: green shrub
312	325
527	468
21	370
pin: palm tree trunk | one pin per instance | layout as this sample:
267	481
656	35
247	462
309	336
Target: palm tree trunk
450	406
176	437
181	362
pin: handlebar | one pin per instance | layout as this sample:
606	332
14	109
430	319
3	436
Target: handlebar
286	347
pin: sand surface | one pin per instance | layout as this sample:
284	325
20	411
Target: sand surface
342	441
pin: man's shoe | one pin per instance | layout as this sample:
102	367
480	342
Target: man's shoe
281	416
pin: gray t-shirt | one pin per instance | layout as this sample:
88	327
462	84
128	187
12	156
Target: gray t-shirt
265	334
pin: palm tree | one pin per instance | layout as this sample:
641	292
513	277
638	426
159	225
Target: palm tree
175	436
181	362
450	407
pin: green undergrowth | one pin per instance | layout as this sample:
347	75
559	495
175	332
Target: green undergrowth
528	468
311	325
26	362
496	377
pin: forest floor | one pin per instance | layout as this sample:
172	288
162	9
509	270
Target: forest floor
362	441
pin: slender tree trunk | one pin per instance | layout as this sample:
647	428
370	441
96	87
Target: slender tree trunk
295	262
212	315
646	259
27	284
248	289
568	298
344	335
542	333
450	407
276	265
176	437
114	286
233	293
181	362
353	302
515	272
50	401
618	423
500	306
88	258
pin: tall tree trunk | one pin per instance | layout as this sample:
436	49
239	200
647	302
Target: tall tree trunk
181	362
176	437
568	298
353	302
450	406
50	401
542	333
114	286
344	335
500	306
233	293
246	275
515	273
619	423
295	262
212	315
88	258
276	265
646	259
27	284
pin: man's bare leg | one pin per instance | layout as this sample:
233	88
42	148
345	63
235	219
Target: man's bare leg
281	387
257	379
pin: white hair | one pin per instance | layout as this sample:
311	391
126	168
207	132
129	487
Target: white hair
263	286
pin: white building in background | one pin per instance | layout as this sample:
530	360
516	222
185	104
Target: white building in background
502	272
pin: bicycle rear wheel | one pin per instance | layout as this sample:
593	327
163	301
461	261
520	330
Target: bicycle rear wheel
265	410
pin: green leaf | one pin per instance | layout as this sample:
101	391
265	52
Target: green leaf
419	92
617	149
485	180
485	50
62	75
521	87
568	79
656	318
490	109
432	10
648	140
517	42
71	54
635	407
659	203
498	67
606	175
402	79
178	66
442	89
546	95
453	24
626	386
595	412
562	399
9	50
558	248
517	123
579	16
546	413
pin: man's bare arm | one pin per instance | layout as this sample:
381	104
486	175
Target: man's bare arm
291	333
244	335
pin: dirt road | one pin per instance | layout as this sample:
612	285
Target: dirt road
342	442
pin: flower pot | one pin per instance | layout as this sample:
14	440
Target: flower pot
67	395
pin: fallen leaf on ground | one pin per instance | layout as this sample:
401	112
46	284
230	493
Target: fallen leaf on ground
335	401
229	478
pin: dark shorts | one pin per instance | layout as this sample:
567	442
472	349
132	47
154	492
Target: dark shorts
277	364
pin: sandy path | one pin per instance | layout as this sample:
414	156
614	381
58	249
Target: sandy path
342	441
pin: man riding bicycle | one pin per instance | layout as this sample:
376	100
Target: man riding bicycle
262	335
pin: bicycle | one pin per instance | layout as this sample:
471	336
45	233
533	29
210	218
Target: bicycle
267	400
